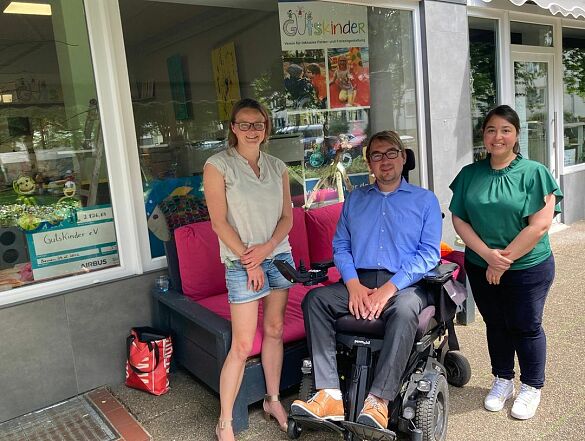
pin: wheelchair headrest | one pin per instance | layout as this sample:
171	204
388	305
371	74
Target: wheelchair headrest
410	163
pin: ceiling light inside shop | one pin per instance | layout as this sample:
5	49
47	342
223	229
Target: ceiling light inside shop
28	8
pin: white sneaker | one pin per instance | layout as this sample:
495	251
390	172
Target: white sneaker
502	389
526	402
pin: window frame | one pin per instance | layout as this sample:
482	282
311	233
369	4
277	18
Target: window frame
109	9
117	121
107	40
104	36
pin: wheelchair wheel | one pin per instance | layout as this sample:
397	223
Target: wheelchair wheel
432	411
294	430
307	389
458	368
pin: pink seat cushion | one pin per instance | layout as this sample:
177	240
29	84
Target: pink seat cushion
202	273
294	328
321	224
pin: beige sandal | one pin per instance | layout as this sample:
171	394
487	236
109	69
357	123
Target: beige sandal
268	416
221	424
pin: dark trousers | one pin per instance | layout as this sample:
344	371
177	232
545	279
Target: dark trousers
322	306
512	312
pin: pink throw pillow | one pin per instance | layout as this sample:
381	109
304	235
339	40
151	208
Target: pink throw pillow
202	273
297	237
321	224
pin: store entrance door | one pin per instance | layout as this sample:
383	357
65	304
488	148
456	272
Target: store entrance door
534	103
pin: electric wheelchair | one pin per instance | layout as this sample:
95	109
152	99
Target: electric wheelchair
421	408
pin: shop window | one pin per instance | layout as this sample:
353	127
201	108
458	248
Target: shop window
574	96
188	64
529	34
55	211
483	76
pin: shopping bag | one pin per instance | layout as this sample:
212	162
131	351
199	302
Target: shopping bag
148	360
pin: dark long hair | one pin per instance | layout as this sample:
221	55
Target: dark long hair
510	115
248	103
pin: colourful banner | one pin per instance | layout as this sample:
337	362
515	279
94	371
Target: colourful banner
318	25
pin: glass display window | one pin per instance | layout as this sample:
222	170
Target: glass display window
574	96
330	74
530	34
483	76
56	217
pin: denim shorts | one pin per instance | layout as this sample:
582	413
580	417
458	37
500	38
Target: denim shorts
236	278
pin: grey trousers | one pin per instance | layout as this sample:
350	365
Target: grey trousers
323	305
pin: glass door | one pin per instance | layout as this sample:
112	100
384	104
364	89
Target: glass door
534	103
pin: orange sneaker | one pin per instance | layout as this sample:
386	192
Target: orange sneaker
374	413
322	406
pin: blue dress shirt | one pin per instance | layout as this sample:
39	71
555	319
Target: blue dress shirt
399	232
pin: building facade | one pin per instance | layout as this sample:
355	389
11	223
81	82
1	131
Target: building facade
109	109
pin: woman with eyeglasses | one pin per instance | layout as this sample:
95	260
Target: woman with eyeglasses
503	207
248	197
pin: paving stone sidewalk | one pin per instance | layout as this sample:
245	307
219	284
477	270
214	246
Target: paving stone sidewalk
189	411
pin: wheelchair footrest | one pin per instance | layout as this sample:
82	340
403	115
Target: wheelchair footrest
363	432
307	422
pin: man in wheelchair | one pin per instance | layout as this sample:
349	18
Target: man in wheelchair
387	239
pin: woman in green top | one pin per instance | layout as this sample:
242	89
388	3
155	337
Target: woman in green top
502	208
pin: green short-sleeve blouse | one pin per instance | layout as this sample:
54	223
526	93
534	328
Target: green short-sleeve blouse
497	204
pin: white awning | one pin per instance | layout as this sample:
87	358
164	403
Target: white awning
575	8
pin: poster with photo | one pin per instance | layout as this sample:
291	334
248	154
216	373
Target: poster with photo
325	55
305	79
349	77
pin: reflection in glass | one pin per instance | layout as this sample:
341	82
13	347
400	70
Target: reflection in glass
324	102
530	34
483	76
532	106
55	212
393	78
574	96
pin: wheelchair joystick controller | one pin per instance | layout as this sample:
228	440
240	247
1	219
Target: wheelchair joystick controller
302	268
303	275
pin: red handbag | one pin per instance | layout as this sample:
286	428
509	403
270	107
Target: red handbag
149	354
